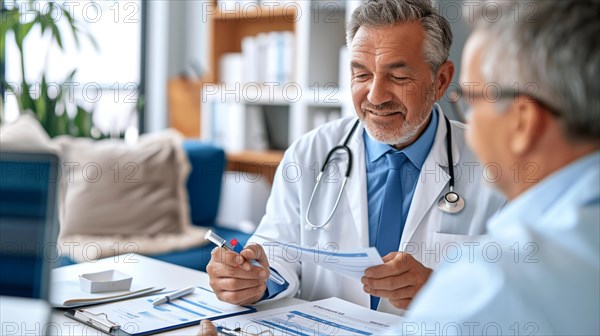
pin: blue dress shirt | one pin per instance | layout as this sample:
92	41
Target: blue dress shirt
377	171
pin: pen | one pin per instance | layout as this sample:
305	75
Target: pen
220	242
228	332
173	296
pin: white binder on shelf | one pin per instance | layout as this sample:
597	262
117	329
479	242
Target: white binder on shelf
250	55
237	126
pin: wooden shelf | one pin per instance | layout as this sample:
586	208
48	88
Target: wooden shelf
227	29
263	163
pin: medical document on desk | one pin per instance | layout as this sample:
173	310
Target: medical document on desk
349	263
331	316
140	317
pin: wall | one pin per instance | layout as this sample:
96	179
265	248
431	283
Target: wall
452	10
176	45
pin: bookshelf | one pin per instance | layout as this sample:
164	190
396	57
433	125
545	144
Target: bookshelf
256	117
227	27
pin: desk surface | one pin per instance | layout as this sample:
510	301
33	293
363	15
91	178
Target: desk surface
23	316
153	272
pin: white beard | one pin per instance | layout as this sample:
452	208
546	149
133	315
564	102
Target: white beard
406	133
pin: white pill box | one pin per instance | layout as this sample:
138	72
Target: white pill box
105	281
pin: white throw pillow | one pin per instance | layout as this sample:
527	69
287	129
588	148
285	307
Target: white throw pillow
115	198
25	134
120	198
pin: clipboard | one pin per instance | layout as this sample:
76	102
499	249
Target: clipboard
138	317
98	321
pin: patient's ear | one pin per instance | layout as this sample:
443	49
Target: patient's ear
443	79
527	124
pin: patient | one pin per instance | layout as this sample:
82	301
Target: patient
532	84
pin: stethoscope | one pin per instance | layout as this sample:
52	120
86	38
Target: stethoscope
450	203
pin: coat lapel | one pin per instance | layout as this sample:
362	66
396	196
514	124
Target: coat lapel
356	194
432	179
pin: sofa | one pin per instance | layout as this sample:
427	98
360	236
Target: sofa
204	192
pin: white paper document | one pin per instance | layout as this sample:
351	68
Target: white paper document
68	294
350	263
331	316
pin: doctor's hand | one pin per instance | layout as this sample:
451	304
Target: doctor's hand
234	279
398	279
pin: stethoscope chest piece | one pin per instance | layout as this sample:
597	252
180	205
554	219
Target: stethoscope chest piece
451	203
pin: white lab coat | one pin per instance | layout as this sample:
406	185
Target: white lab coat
429	234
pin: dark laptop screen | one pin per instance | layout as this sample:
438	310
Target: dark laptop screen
27	222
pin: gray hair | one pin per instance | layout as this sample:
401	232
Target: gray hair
378	13
551	53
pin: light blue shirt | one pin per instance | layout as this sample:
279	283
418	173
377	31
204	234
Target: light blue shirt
538	271
377	171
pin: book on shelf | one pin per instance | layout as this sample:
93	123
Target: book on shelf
266	57
236	127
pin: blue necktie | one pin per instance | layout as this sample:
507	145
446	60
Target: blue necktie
390	220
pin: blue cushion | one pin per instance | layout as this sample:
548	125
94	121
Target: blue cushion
204	182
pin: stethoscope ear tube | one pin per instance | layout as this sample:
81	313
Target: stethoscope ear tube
344	147
449	153
328	159
310	201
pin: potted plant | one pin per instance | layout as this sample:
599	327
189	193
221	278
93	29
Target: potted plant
49	103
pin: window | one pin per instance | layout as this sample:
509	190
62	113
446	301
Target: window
108	77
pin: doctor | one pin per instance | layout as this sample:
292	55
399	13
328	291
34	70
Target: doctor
399	170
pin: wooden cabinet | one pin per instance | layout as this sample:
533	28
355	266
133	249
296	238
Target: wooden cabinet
183	102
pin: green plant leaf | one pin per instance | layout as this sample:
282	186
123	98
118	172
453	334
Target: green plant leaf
56	34
83	122
25	100
73	27
24	29
49	120
71	75
41	20
43	103
19	36
61	124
